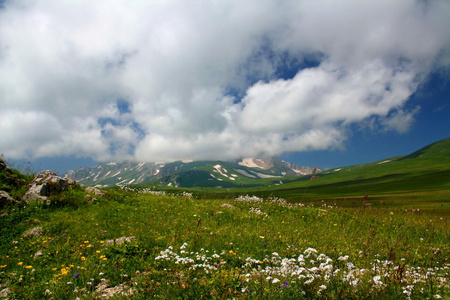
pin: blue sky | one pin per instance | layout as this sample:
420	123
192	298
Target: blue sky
317	83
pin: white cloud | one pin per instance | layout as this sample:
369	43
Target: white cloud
202	79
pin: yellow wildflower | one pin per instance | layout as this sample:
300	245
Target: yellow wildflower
64	271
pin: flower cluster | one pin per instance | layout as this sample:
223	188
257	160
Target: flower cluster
311	269
250	199
257	211
270	200
156	193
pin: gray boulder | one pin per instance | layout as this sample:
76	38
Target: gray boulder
94	191
5	199
45	184
36	231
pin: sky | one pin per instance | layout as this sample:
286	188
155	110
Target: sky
316	83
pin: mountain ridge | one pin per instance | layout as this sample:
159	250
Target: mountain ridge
209	172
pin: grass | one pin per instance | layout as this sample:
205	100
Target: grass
245	248
373	231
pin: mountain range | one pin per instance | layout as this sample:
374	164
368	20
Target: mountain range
242	172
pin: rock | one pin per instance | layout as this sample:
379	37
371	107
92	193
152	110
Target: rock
9	177
119	241
4	293
90	198
4	167
37	254
5	199
111	292
36	231
95	191
45	184
227	205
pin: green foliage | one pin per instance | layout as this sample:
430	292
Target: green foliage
392	244
73	197
232	244
12	180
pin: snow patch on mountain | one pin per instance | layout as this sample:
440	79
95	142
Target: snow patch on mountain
264	164
221	170
260	175
245	173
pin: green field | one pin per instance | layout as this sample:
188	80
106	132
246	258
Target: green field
307	239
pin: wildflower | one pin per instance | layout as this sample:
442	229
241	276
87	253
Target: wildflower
28	267
4	266
64	271
20	263
275	280
76	275
83	258
47	292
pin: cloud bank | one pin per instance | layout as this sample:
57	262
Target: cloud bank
169	80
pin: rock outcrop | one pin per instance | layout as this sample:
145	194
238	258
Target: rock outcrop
6	199
45	184
9	178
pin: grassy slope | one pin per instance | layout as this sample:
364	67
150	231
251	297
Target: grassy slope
421	178
74	235
73	243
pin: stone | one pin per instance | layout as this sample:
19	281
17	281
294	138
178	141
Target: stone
6	199
4	293
37	254
9	177
45	184
3	165
89	198
95	191
36	231
119	241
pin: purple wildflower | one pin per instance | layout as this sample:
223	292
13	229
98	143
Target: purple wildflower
76	275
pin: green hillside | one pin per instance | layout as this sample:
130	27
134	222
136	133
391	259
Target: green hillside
419	177
223	244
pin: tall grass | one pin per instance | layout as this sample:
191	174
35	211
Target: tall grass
245	247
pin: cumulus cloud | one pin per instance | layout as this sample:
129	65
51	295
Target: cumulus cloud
159	81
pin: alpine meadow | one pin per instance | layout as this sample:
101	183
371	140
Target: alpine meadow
372	231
